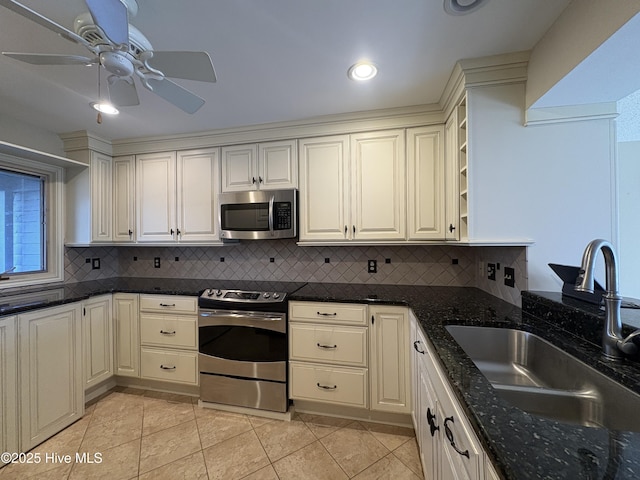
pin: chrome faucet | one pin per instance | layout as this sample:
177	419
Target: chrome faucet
614	345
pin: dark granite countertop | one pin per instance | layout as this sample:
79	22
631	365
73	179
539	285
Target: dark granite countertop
521	445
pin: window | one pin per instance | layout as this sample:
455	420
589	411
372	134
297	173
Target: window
31	250
22	246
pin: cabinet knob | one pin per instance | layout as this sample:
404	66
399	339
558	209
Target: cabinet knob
260	180
171	231
253	180
432	424
451	227
178	232
130	232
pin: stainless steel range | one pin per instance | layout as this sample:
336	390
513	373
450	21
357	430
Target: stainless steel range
243	348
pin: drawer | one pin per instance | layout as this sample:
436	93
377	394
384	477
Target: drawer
168	303
169	365
169	330
322	383
327	312
336	344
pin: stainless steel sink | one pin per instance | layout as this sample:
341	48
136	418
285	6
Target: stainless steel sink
540	378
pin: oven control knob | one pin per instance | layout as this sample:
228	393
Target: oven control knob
209	292
276	296
265	295
218	293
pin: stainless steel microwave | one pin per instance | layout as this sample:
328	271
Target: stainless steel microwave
258	214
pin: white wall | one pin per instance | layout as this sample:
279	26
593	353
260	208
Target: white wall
26	135
629	217
550	183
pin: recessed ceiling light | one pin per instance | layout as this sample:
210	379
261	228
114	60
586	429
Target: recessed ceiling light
462	7
362	71
105	108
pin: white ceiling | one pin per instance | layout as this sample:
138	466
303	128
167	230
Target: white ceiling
276	60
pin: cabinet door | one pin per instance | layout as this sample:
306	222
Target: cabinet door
425	182
389	363
324	188
239	165
452	178
277	165
52	393
8	386
97	327
430	445
156	197
198	180
124	198
127	334
101	203
378	200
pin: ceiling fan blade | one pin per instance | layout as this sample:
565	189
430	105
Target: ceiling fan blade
45	22
112	17
174	93
50	59
186	65
122	92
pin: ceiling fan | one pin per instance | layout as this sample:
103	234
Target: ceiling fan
124	52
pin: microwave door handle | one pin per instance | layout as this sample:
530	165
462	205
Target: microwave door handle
271	200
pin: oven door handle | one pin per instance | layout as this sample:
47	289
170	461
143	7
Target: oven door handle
262	320
271	220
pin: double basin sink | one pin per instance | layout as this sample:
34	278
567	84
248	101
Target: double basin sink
542	379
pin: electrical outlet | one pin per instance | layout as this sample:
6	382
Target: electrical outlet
156	262
95	263
509	277
491	271
372	266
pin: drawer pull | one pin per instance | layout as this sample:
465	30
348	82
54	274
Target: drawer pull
415	345
322	314
328	347
165	367
432	424
449	434
167	304
164	332
326	387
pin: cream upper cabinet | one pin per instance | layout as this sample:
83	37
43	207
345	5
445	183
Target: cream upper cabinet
389	365
88	202
378	199
156	197
198	178
97	345
51	381
263	166
352	187
426	183
324	188
8	386
124	187
176	196
451	178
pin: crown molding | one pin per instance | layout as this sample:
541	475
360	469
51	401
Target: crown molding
82	140
571	113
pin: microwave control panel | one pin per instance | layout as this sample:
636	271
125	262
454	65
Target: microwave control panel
282	216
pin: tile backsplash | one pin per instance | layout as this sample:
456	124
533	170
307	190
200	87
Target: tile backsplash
283	260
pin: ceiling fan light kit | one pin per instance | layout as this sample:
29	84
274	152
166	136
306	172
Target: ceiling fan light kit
462	7
124	52
106	108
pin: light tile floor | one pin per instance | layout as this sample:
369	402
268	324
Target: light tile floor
149	435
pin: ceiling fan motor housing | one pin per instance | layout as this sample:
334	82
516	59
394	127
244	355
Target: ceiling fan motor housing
117	64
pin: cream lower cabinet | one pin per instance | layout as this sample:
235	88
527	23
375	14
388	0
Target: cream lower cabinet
389	367
328	353
449	448
51	381
350	354
352	187
126	334
169	338
8	386
97	345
